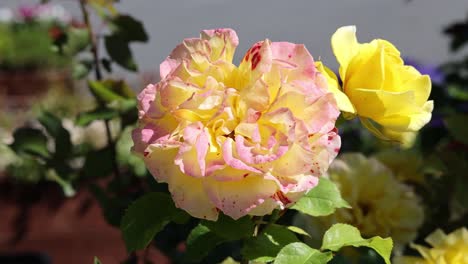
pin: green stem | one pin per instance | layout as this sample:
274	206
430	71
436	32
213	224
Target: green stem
98	74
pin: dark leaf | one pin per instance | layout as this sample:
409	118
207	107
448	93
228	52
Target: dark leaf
266	246
119	51
98	163
231	229
53	125
31	141
107	64
112	208
456	124
145	217
128	28
200	242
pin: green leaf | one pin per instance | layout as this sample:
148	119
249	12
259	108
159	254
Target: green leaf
300	253
98	163
77	40
103	91
87	118
457	92
230	260
26	169
106	64
200	242
145	217
342	235
120	87
66	186
81	69
53	125
112	92
456	124
266	246
31	141
298	230
119	51
231	229
128	158
128	28
112	207
96	260
321	200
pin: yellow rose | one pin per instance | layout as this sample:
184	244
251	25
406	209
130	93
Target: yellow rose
390	98
380	204
446	249
407	166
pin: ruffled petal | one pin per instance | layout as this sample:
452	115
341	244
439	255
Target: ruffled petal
345	46
237	198
342	100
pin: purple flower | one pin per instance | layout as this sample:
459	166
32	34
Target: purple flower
27	13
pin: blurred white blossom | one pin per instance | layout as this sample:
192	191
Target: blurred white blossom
6	15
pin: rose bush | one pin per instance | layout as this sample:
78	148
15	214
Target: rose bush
241	140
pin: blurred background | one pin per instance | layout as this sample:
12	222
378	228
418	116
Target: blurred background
45	58
413	26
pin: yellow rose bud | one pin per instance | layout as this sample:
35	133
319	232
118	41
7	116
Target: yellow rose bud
389	97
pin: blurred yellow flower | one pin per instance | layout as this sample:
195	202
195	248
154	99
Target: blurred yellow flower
407	166
381	205
390	98
446	249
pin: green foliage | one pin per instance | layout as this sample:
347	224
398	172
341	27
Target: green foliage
456	124
77	41
124	30
458	34
109	90
200	242
98	163
231	229
96	260
300	253
266	246
53	125
146	217
86	118
126	157
81	69
112	207
27	169
119	50
342	235
321	200
28	46
128	28
30	141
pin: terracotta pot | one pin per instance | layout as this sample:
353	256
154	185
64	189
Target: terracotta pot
21	88
36	220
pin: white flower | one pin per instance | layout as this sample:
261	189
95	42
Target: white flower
6	15
53	12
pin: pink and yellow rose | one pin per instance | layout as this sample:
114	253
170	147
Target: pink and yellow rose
237	139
